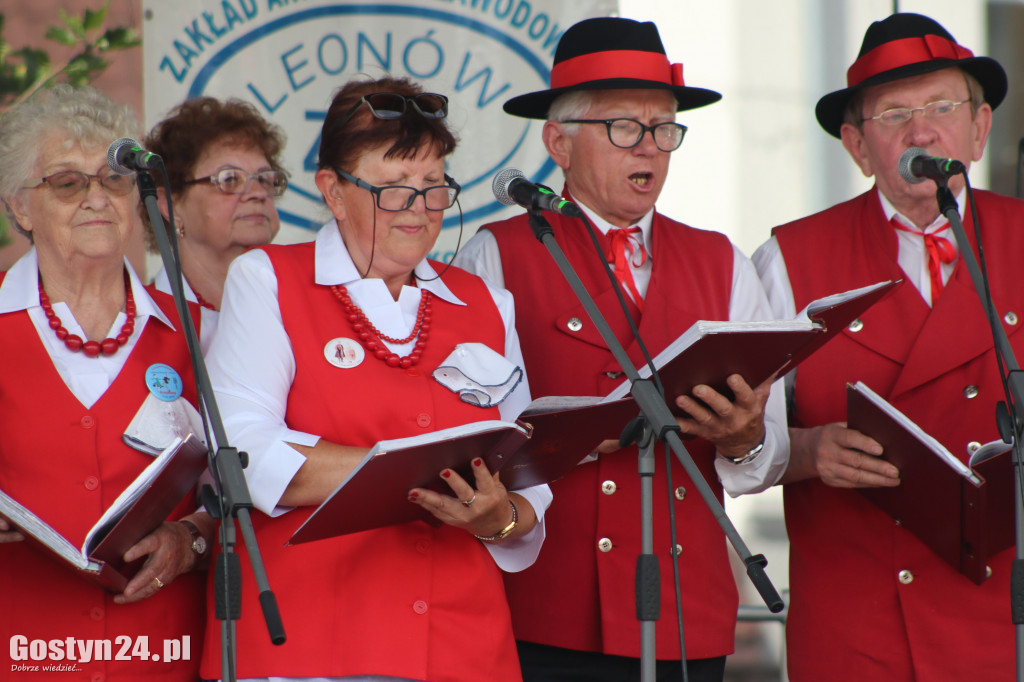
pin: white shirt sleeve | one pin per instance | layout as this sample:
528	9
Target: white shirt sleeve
481	256
749	302
253	395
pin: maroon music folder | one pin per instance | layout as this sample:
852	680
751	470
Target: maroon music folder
134	514
539	447
964	513
710	351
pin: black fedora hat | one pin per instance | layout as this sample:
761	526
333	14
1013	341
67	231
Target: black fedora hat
904	45
609	53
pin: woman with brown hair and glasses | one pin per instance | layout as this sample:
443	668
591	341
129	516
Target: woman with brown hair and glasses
324	349
223	163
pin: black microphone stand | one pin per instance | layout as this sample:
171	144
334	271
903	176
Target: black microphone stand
233	501
1009	419
656	424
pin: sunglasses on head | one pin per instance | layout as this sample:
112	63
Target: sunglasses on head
391	105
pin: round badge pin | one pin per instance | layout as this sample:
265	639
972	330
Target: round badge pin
344	353
164	382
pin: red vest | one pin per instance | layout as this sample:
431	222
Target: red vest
68	463
577	595
409	601
849	611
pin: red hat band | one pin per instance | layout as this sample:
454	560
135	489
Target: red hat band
897	53
634	64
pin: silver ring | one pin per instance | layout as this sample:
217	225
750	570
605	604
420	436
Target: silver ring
467	503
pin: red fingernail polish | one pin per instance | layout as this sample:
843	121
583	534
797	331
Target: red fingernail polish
446	474
413	496
478	462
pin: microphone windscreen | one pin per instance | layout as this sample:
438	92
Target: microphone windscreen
903	165
501	182
113	152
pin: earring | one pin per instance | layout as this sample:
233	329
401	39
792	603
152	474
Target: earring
181	231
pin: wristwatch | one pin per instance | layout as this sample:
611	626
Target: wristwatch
198	541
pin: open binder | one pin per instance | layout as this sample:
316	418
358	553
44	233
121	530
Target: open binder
137	511
709	352
963	512
554	434
539	447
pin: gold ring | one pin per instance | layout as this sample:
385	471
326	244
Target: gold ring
159	583
466	503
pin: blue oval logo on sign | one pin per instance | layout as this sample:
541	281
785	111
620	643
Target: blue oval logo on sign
289	62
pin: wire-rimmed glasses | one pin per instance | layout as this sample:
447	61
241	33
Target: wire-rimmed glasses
235	180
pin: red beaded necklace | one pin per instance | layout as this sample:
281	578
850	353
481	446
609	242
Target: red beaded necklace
373	339
92	349
203	302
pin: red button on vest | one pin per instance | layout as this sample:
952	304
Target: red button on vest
423	420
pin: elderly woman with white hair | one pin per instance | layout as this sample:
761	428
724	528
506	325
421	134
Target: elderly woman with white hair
81	339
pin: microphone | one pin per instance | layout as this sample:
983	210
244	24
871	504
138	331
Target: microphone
916	166
125	156
511	187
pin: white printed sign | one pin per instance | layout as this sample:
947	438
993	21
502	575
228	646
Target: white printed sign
289	57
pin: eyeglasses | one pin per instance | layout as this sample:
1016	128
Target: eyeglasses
627	133
391	105
400	198
901	115
235	181
70	184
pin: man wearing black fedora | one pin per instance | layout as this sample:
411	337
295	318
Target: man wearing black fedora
610	125
869	601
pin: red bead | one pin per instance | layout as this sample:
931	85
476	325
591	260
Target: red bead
54	320
109	346
404	363
381	353
393	360
73	342
122	339
62	333
91	348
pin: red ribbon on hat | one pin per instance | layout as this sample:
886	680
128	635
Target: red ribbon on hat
650	66
897	53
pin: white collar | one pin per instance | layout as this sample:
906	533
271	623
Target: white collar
604	226
161	282
938	225
333	265
20	289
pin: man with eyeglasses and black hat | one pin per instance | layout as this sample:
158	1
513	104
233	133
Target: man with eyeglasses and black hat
610	125
869	601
